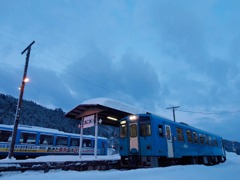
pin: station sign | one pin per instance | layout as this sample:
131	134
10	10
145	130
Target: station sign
88	121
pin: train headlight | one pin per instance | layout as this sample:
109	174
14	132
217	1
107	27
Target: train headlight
123	122
133	118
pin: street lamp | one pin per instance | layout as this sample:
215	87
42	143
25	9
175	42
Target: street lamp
17	115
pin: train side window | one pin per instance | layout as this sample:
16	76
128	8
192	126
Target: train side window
201	139
180	136
195	137
189	136
133	130
29	138
5	135
145	129
46	139
215	142
103	144
61	141
74	142
168	133
207	140
87	143
123	131
219	143
204	138
210	141
160	130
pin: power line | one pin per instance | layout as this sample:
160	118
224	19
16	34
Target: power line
173	109
54	56
210	113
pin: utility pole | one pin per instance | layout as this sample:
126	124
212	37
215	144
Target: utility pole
173	108
17	115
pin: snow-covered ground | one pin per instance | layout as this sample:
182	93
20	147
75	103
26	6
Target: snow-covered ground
228	170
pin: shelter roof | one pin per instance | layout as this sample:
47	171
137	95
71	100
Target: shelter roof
108	110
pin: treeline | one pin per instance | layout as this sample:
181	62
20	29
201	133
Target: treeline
33	114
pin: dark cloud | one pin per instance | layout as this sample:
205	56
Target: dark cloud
146	54
223	124
97	75
46	87
139	79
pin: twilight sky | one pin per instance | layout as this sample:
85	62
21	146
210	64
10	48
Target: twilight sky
150	54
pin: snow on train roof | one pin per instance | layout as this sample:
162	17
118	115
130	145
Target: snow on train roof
45	130
115	105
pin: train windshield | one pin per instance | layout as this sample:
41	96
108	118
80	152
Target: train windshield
145	129
123	129
145	126
133	130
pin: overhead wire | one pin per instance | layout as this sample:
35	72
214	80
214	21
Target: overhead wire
54	58
209	113
50	54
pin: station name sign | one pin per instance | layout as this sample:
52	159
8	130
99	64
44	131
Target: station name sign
88	121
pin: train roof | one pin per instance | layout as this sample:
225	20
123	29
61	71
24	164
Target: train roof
46	130
191	127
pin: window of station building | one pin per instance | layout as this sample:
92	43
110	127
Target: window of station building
29	138
46	139
74	142
87	143
195	137
189	136
180	136
201	139
61	141
145	129
133	130
5	136
123	130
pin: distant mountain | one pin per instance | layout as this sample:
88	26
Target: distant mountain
232	146
33	114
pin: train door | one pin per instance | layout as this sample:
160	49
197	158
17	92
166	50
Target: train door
133	137
169	141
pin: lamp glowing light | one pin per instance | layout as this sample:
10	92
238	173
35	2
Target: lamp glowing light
112	118
26	80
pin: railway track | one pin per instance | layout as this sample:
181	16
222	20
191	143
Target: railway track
67	165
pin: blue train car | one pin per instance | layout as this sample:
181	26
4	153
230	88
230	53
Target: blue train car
147	140
37	141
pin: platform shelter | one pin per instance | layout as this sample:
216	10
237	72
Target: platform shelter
108	110
103	111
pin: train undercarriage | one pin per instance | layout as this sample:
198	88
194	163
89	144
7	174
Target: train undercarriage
136	161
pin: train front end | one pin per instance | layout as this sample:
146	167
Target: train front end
136	142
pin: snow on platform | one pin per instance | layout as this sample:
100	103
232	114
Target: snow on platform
59	158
